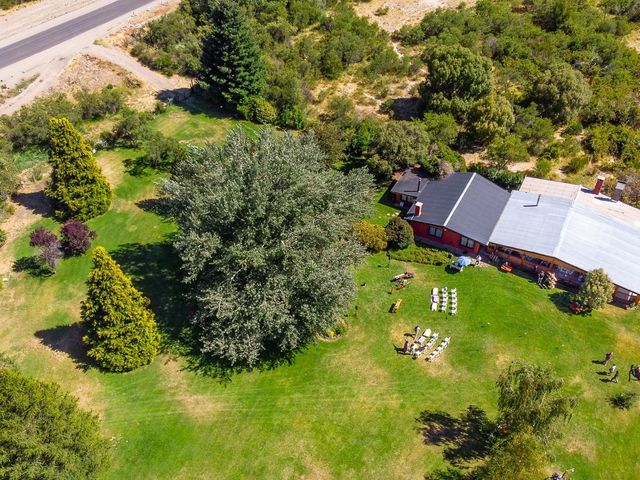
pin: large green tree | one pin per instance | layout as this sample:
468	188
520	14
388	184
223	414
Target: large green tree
596	290
121	330
561	92
530	399
231	65
456	78
521	456
266	239
43	433
78	189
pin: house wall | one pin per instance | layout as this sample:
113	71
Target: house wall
449	238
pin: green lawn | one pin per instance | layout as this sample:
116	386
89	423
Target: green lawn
345	409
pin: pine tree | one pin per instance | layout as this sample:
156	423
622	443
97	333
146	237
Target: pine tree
232	68
121	330
78	189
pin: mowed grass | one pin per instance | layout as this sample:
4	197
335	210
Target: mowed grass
345	409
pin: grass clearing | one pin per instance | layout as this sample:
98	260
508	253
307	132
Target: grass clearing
344	409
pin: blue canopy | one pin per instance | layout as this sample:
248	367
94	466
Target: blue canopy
464	261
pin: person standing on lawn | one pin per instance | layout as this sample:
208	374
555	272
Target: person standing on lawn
612	369
615	377
607	358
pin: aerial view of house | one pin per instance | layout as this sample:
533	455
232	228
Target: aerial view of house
319	239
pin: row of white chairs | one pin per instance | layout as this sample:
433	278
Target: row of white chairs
419	347
436	353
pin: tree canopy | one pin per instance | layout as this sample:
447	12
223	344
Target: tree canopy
596	290
121	329
231	66
78	189
43	433
266	239
530	399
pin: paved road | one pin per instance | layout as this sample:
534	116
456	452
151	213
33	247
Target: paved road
66	31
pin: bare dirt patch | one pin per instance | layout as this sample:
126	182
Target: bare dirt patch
28	205
195	405
401	12
583	447
91	73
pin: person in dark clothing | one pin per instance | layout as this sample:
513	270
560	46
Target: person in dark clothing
607	357
615	377
405	349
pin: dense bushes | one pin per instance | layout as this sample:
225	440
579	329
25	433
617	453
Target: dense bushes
399	233
45	435
298	42
170	44
373	237
425	255
7	4
29	126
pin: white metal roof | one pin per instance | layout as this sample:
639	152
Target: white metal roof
583	230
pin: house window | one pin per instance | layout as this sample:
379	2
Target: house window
435	232
467	242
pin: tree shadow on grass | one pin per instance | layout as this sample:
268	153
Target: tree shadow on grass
67	339
159	206
32	266
465	439
37	202
561	300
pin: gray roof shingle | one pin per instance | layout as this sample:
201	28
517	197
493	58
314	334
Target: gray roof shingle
466	203
411	182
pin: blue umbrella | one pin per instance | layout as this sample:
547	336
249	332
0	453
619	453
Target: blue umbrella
464	261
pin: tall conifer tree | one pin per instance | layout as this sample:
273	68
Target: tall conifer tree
232	68
78	189
121	330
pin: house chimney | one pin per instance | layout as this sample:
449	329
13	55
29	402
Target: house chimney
418	211
599	184
618	191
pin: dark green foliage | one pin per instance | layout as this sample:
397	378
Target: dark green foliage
490	117
257	109
162	152
505	178
399	233
29	126
170	44
77	188
596	290
505	151
624	401
520	456
3	238
131	130
561	92
425	255
442	127
266	239
95	105
371	236
457	77
44	434
543	167
530	400
122	334
231	68
9	180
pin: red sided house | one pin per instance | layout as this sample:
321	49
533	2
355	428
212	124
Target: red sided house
544	226
459	212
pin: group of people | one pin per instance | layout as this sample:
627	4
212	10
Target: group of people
634	371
